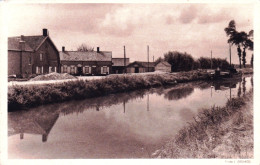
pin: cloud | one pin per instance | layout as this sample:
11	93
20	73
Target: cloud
194	28
209	16
188	14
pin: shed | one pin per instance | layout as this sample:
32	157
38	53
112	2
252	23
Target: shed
118	65
140	67
163	66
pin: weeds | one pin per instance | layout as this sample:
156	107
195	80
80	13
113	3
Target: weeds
206	136
20	97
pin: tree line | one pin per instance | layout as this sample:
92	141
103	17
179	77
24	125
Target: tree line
185	62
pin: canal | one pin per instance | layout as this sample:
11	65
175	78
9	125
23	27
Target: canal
125	125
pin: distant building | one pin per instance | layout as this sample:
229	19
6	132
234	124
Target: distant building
140	67
118	65
86	62
29	55
163	66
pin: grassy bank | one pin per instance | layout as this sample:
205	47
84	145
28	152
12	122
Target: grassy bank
21	97
219	132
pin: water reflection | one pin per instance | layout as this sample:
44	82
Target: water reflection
179	93
38	122
118	125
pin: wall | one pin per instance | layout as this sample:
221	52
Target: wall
14	63
50	57
162	67
98	65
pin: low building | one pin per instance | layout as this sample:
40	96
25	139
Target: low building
29	55
140	67
119	65
163	66
86	62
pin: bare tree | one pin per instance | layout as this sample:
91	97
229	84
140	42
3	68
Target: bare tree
85	48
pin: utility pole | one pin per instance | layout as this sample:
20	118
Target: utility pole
230	53
148	56
124	61
153	58
211	59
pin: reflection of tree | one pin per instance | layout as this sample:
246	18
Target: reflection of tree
100	102
239	90
244	85
34	121
178	93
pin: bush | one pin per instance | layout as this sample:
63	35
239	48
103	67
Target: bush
33	95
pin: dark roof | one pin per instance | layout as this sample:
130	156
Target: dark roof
142	64
13	44
85	56
164	63
119	61
32	43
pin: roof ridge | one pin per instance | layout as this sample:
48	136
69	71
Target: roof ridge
28	36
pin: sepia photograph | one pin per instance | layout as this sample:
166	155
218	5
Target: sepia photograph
130	81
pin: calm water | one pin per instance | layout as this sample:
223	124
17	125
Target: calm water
128	125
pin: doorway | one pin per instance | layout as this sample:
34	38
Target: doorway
136	69
80	71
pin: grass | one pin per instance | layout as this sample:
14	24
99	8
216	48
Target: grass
22	97
218	132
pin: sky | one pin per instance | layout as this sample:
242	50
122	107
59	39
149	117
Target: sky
193	28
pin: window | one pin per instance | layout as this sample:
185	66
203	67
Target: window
30	60
42	70
37	70
104	70
64	69
40	56
55	69
50	69
87	70
72	70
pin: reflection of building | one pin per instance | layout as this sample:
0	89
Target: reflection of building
86	62
140	67
118	65
31	123
29	55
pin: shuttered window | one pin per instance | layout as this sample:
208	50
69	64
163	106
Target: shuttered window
87	69
40	56
64	69
37	70
50	69
104	70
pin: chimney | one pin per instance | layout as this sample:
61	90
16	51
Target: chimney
22	45
45	32
22	37
97	49
63	48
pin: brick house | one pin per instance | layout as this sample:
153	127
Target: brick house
163	66
140	67
86	62
29	55
119	64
